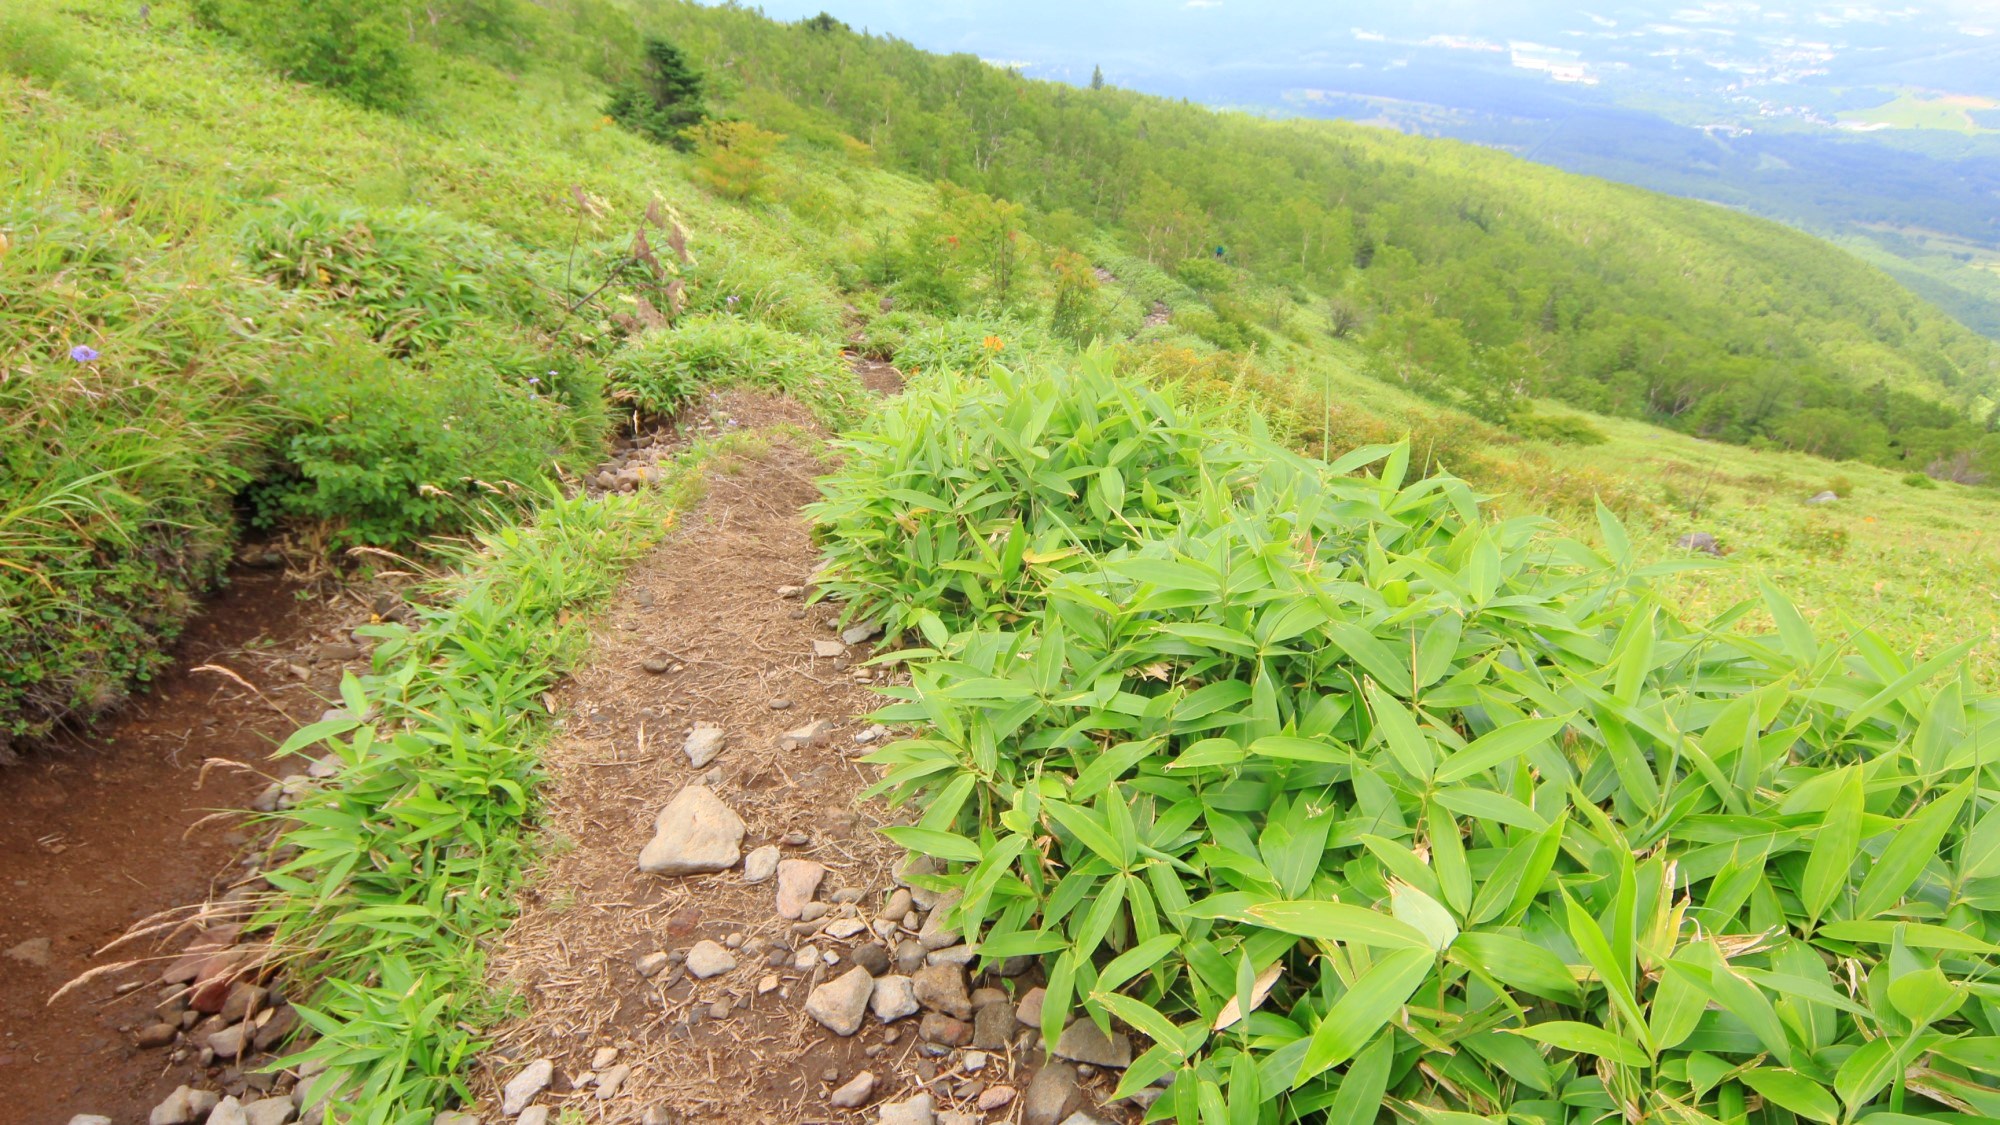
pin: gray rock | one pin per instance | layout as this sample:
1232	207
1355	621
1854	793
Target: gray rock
798	881
703	744
953	1117
829	649
960	955
909	956
992	1026
1700	541
917	1111
995	1097
89	1119
229	1042
244	1000
844	928
610	1078
761	864
522	1088
695	834
707	959
1083	1042
815	733
228	1111
268	1111
873	957
1827	497
936	1027
941	988
935	935
855	634
1081	1118
651	964
183	1107
898	905
893	999
856	1092
840	1004
535	1115
455	1117
1051	1096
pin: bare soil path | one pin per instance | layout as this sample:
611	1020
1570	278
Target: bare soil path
108	826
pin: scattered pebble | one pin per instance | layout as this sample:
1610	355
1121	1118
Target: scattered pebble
694	834
798	881
707	959
649	965
917	1111
995	1097
840	1004
1083	1042
856	1092
873	957
603	1057
829	649
941	988
894	998
703	743
522	1088
761	863
609	1079
780	704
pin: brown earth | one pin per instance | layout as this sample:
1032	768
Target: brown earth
111	825
737	1047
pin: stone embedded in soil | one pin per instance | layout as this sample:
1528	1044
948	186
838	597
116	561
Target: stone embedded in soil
183	1107
610	1078
995	1097
761	863
1084	1042
1029	1010
935	934
893	999
230	1041
780	704
269	1111
829	648
157	1035
89	1119
656	664
244	1000
649	966
953	955
535	1115
522	1088
34	951
941	988
813	911
1081	1118
703	743
873	957
282	1022
798	881
856	1092
815	733
939	1028
603	1057
228	1111
1051	1095
855	634
707	959
954	1117
840	1004
917	1111
845	928
909	956
695	834
992	1026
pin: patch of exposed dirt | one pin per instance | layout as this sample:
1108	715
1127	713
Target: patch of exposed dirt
108	826
716	611
878	375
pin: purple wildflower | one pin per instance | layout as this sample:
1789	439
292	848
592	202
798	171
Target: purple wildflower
731	302
83	353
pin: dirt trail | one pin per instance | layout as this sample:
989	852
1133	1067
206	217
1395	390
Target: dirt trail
102	830
601	953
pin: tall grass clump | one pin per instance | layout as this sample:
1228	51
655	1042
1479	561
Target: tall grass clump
659	370
400	866
1344	797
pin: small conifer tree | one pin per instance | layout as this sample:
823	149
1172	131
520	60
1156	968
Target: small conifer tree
1097	78
666	101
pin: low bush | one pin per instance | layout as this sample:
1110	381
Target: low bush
1557	429
659	370
412	277
359	49
1343	797
384	453
918	342
768	287
1919	480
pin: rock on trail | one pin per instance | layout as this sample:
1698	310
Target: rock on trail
696	834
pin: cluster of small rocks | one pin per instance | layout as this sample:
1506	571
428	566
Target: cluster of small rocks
605	1080
901	960
636	461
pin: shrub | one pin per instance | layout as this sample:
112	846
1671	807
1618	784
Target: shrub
903	539
1075	313
665	101
1817	538
1557	429
773	288
411	277
385	454
359	49
732	158
662	369
963	344
1205	275
1840	486
35	46
1343	796
1919	480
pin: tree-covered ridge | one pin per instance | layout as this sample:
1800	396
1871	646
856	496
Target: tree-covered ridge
1487	277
